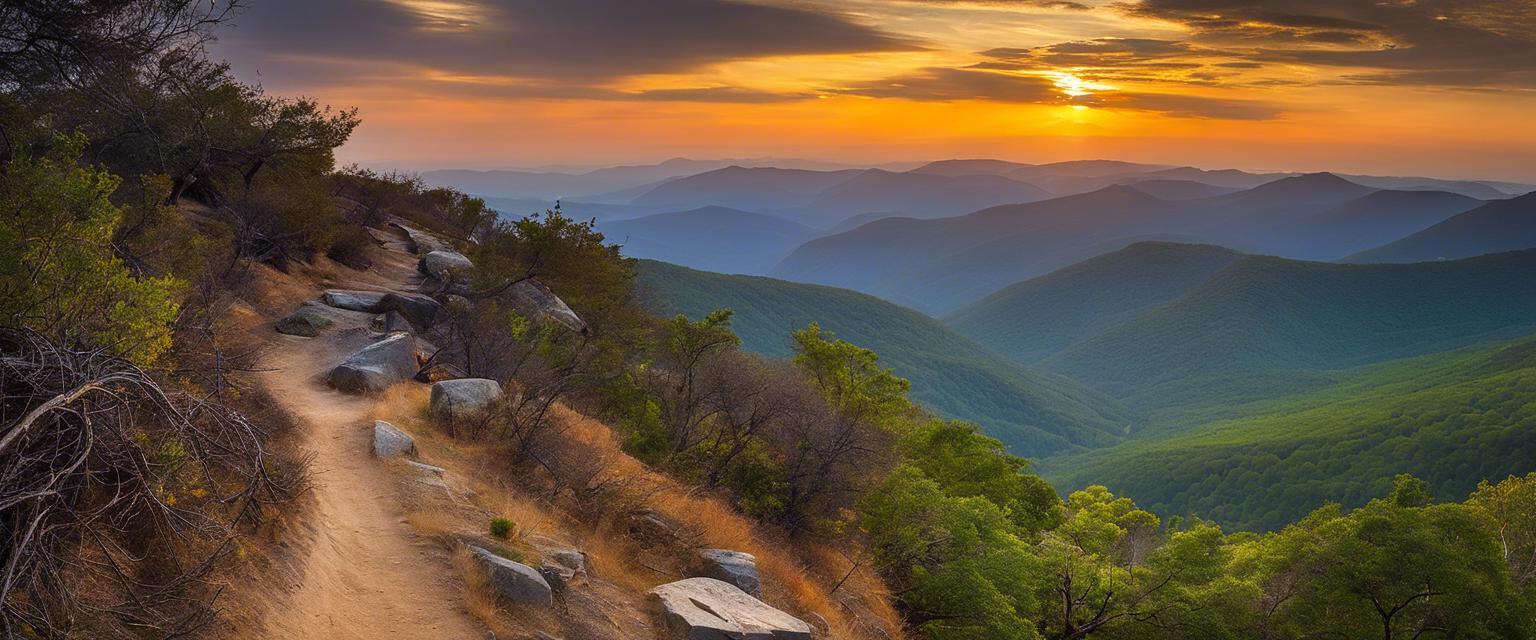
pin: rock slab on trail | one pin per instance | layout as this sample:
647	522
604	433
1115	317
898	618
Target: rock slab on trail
377	367
708	609
306	321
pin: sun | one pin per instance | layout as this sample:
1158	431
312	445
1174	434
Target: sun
1076	87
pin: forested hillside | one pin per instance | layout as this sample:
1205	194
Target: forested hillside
1451	419
1262	324
1038	317
1034	413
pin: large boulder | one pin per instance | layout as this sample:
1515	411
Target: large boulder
735	567
306	321
515	581
447	266
533	298
464	397
367	301
422	242
377	366
708	609
419	310
390	442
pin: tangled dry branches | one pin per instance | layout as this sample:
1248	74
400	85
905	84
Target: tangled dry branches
117	496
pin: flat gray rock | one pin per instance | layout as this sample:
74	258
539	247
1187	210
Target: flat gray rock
306	321
464	397
378	366
516	581
390	442
708	609
447	266
369	301
735	567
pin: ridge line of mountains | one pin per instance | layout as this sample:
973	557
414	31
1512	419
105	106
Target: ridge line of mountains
1190	338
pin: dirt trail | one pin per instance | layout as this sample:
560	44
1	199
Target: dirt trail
367	574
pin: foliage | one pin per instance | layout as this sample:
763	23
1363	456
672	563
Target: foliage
58	272
1451	419
1034	414
501	528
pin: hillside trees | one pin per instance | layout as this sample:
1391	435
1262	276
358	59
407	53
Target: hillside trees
58	273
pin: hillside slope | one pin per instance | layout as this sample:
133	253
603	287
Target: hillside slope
710	238
1451	419
1038	317
1261	316
1501	225
1035	414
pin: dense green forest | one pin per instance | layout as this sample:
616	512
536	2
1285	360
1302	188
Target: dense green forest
1040	316
1265	325
1451	419
1034	413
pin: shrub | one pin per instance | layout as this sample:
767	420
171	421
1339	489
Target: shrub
501	528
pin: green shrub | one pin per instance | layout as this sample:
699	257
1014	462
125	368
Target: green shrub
501	528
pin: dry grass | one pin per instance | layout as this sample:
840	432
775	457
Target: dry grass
798	575
479	599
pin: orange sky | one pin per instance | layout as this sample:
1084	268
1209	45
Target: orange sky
1430	87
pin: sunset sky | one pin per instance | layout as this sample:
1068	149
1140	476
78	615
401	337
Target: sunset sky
1428	87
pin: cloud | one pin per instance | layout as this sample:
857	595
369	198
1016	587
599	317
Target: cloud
584	41
937	84
1445	43
1188	106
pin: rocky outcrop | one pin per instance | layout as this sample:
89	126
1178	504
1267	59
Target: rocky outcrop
533	298
448	266
377	367
464	398
422	242
421	311
708	609
366	301
515	581
390	442
735	567
306	321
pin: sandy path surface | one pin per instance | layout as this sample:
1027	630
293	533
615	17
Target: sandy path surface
367	574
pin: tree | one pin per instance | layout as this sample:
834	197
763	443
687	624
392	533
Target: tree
961	572
967	463
852	379
58	273
1512	506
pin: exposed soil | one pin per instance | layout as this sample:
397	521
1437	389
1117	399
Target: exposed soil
365	572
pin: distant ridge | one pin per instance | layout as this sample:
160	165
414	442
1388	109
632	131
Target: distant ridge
1038	317
1501	225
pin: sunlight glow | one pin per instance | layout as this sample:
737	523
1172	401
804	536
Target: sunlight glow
1076	87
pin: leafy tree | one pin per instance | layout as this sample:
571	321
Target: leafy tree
852	379
962	572
58	273
967	463
1512	506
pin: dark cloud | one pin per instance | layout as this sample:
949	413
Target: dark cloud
1452	43
938	84
1048	4
569	40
